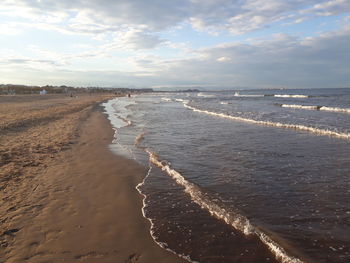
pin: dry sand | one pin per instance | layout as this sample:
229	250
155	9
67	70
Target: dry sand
64	196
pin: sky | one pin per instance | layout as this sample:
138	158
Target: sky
176	44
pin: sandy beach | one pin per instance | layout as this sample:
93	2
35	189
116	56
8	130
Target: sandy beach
64	196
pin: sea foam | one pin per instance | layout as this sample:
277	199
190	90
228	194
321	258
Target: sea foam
117	121
236	220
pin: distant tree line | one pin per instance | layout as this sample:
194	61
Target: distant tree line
11	89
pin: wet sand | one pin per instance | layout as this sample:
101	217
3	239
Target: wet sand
64	196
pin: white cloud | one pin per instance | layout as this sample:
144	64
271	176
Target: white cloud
25	63
321	61
332	7
240	17
224	59
130	33
103	16
9	29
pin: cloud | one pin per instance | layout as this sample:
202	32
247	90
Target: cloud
136	39
223	59
239	17
327	8
321	61
104	16
26	61
18	64
129	33
9	29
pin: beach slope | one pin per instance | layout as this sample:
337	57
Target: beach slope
64	196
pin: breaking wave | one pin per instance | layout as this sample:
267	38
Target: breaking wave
181	100
201	94
290	96
274	124
237	94
313	107
236	220
295	106
335	109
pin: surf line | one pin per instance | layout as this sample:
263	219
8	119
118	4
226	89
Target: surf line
237	221
312	107
290	96
274	124
163	245
152	231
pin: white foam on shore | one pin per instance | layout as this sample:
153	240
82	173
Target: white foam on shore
116	110
274	124
152	232
166	99
116	120
237	221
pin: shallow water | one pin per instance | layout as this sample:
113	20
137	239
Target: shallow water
253	176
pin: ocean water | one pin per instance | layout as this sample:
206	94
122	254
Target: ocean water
247	176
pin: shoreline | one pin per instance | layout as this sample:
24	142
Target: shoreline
81	206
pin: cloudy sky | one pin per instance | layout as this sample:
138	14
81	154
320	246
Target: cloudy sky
214	44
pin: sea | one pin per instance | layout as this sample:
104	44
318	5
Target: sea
242	176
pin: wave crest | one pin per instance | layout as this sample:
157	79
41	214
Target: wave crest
275	124
236	220
237	94
201	94
313	107
335	109
290	96
296	106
